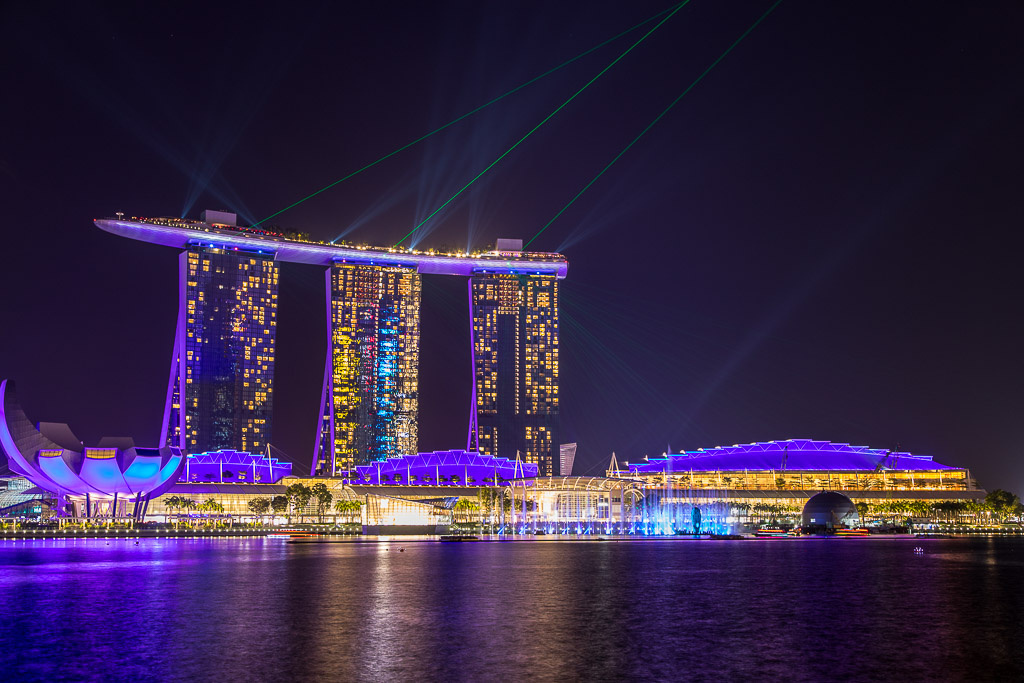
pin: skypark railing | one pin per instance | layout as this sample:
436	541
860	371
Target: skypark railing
262	233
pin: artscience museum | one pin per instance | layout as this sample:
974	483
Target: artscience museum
114	478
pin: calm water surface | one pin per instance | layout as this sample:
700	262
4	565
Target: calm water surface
255	609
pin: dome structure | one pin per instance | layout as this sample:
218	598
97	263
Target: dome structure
807	455
830	509
68	468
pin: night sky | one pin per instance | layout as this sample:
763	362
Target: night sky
818	241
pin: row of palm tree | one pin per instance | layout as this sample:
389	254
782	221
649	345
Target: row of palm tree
998	506
179	503
298	499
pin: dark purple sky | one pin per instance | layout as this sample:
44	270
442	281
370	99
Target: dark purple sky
818	241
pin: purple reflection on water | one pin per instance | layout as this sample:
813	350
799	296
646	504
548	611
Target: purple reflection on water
227	609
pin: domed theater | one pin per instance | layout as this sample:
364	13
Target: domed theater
830	509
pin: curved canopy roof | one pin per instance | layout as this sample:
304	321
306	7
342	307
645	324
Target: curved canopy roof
580	483
791	454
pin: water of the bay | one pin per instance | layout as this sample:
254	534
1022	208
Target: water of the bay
263	609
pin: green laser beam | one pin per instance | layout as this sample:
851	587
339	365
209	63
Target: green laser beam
656	119
544	120
468	114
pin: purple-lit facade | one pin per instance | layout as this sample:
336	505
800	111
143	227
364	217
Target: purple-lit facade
724	484
173	232
104	472
220	392
789	455
370	398
235	467
455	468
515	409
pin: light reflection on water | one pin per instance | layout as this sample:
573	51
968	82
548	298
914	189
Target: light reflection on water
254	609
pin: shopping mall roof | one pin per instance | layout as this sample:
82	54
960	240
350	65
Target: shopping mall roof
791	454
444	467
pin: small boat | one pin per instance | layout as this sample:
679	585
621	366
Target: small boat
459	538
862	531
771	532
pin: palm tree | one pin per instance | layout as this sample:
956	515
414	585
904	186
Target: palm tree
259	507
465	506
186	504
172	502
348	507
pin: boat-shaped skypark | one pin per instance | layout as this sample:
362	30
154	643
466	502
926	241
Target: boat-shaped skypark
221	386
182	233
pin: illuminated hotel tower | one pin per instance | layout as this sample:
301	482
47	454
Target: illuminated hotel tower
220	394
370	397
515	360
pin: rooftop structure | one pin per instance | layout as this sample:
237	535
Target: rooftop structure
229	466
791	454
181	233
444	468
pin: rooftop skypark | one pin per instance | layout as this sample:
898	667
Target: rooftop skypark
295	247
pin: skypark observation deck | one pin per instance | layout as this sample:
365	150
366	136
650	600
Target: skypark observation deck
181	233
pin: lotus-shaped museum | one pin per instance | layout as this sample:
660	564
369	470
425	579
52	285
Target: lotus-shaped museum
54	460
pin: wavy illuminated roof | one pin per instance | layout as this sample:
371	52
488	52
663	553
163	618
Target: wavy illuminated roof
791	454
444	467
174	232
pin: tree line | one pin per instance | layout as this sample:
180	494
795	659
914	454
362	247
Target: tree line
297	500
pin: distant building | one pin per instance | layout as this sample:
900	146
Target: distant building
370	396
515	358
566	457
220	394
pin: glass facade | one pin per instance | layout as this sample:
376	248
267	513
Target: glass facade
515	357
815	480
221	390
371	382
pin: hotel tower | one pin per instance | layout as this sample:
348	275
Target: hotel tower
221	388
515	361
220	394
370	394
